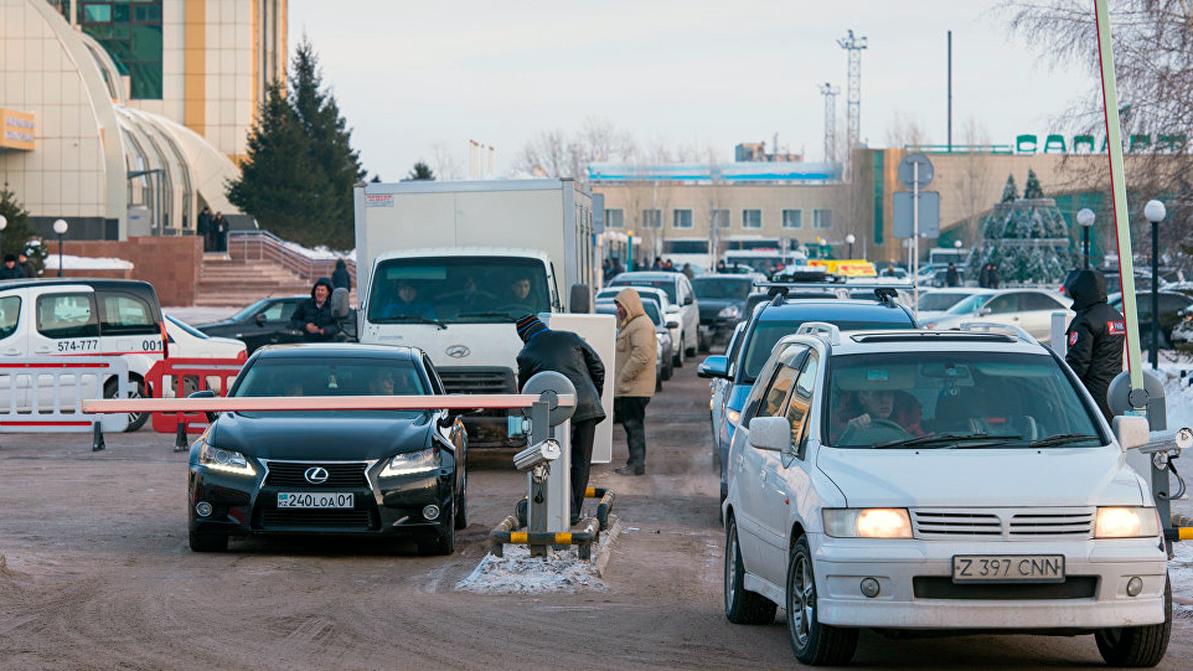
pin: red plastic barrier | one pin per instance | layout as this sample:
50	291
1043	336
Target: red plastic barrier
180	371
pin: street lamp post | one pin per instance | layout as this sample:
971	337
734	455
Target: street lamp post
849	239
60	228
1154	212
1085	218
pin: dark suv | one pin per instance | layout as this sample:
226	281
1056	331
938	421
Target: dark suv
769	322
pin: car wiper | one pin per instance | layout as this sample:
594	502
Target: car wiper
1063	439
941	440
418	319
504	315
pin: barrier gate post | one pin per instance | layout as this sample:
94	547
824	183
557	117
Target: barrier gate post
548	482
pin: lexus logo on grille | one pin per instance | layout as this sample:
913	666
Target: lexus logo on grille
316	475
457	351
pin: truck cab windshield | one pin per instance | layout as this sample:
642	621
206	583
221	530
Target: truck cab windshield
458	289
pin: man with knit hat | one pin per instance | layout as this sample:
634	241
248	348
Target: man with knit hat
636	353
566	353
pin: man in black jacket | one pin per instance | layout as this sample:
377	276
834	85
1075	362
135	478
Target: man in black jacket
314	317
1095	336
566	353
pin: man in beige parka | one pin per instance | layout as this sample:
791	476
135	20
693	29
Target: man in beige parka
635	371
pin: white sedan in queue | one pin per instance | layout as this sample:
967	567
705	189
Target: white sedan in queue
919	480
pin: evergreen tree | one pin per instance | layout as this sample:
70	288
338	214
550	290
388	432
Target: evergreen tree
420	172
18	236
279	183
301	168
1032	189
1010	192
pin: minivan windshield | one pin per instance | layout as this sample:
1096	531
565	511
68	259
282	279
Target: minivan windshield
767	333
931	400
458	289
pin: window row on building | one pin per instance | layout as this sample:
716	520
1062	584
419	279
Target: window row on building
750	219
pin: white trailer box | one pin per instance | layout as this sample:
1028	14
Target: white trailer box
449	266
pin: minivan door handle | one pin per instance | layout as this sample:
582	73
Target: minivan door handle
12	351
44	349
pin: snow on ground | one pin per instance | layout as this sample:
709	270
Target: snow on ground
1178	392
87	263
1180	570
319	253
519	573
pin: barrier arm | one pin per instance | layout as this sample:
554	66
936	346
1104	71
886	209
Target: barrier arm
321	403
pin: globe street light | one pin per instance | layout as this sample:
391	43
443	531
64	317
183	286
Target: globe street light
849	240
1154	212
3	225
956	244
60	228
1085	218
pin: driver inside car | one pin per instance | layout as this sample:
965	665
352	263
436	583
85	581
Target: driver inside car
861	409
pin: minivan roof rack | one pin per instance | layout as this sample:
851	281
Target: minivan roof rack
991	327
827	332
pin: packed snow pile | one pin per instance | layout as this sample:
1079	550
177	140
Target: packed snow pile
1180	570
320	253
1178	391
560	571
87	263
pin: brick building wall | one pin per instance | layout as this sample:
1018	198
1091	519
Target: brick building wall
171	264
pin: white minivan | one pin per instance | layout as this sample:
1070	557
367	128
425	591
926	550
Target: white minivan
929	480
80	317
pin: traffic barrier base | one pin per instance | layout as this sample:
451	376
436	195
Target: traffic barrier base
508	531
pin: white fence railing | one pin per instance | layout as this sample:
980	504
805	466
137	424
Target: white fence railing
46	394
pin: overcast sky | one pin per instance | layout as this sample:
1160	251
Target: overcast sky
410	76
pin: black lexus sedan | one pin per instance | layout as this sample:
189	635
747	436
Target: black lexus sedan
366	473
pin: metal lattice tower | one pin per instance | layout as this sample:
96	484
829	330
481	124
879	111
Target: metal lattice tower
830	121
853	119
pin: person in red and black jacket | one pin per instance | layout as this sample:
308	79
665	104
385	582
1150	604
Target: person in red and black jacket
1095	336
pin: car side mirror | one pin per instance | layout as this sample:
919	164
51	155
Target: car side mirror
207	393
714	366
260	319
687	300
672	323
770	433
340	303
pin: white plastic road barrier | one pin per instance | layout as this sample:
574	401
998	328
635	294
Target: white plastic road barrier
48	394
317	403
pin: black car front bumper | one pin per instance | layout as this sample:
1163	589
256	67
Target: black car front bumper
242	506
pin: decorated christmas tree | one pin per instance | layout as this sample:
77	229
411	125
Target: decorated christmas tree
1025	238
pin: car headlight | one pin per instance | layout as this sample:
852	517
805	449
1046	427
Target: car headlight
1126	522
411	463
867	523
729	312
224	461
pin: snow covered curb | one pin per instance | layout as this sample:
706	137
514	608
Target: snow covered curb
561	571
87	263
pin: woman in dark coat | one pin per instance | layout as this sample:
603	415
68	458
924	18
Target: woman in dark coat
340	277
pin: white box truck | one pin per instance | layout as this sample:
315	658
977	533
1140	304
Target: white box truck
450	266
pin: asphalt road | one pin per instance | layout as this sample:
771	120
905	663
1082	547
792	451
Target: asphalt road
95	574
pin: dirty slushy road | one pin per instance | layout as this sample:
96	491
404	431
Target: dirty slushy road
95	573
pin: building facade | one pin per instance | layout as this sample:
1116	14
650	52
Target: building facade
134	110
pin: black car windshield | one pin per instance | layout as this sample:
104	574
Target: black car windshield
767	333
458	289
249	311
665	285
348	376
939	400
720	288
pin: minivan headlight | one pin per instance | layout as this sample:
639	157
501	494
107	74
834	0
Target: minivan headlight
224	461
411	463
729	312
867	523
1126	522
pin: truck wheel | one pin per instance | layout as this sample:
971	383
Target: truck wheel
135	419
741	606
1137	647
813	643
207	542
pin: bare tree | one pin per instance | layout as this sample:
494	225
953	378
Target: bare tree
904	130
1153	56
444	163
973	189
545	156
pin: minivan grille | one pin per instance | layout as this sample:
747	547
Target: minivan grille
291	474
478	380
998	524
